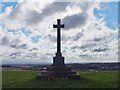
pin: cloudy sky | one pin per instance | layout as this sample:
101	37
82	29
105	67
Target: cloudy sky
27	34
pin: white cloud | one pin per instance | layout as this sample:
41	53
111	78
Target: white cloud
86	38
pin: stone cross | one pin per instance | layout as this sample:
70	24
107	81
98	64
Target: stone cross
58	60
58	26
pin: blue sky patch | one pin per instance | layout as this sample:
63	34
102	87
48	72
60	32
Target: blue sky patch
27	32
109	11
12	31
1	7
7	4
35	39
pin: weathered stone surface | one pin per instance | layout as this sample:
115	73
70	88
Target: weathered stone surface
54	72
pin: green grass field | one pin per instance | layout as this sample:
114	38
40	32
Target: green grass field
26	79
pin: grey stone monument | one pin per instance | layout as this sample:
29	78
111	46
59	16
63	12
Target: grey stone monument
58	69
58	60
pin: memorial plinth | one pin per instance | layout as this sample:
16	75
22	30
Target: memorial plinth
58	69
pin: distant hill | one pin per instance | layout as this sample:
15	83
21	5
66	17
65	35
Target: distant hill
74	66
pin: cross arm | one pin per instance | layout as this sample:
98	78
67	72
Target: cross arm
62	26
54	26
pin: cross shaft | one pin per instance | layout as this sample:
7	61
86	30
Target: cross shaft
58	26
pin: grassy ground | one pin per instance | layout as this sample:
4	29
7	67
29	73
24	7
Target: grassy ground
25	79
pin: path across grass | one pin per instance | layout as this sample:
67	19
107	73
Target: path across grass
26	79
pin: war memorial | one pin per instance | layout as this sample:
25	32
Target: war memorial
58	69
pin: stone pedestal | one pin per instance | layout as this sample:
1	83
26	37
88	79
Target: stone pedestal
55	72
58	60
58	70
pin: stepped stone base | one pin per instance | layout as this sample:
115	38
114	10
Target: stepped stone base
42	77
54	72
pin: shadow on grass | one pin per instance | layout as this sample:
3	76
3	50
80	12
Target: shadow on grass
59	83
88	80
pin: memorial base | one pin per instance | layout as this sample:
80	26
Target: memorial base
55	72
58	70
